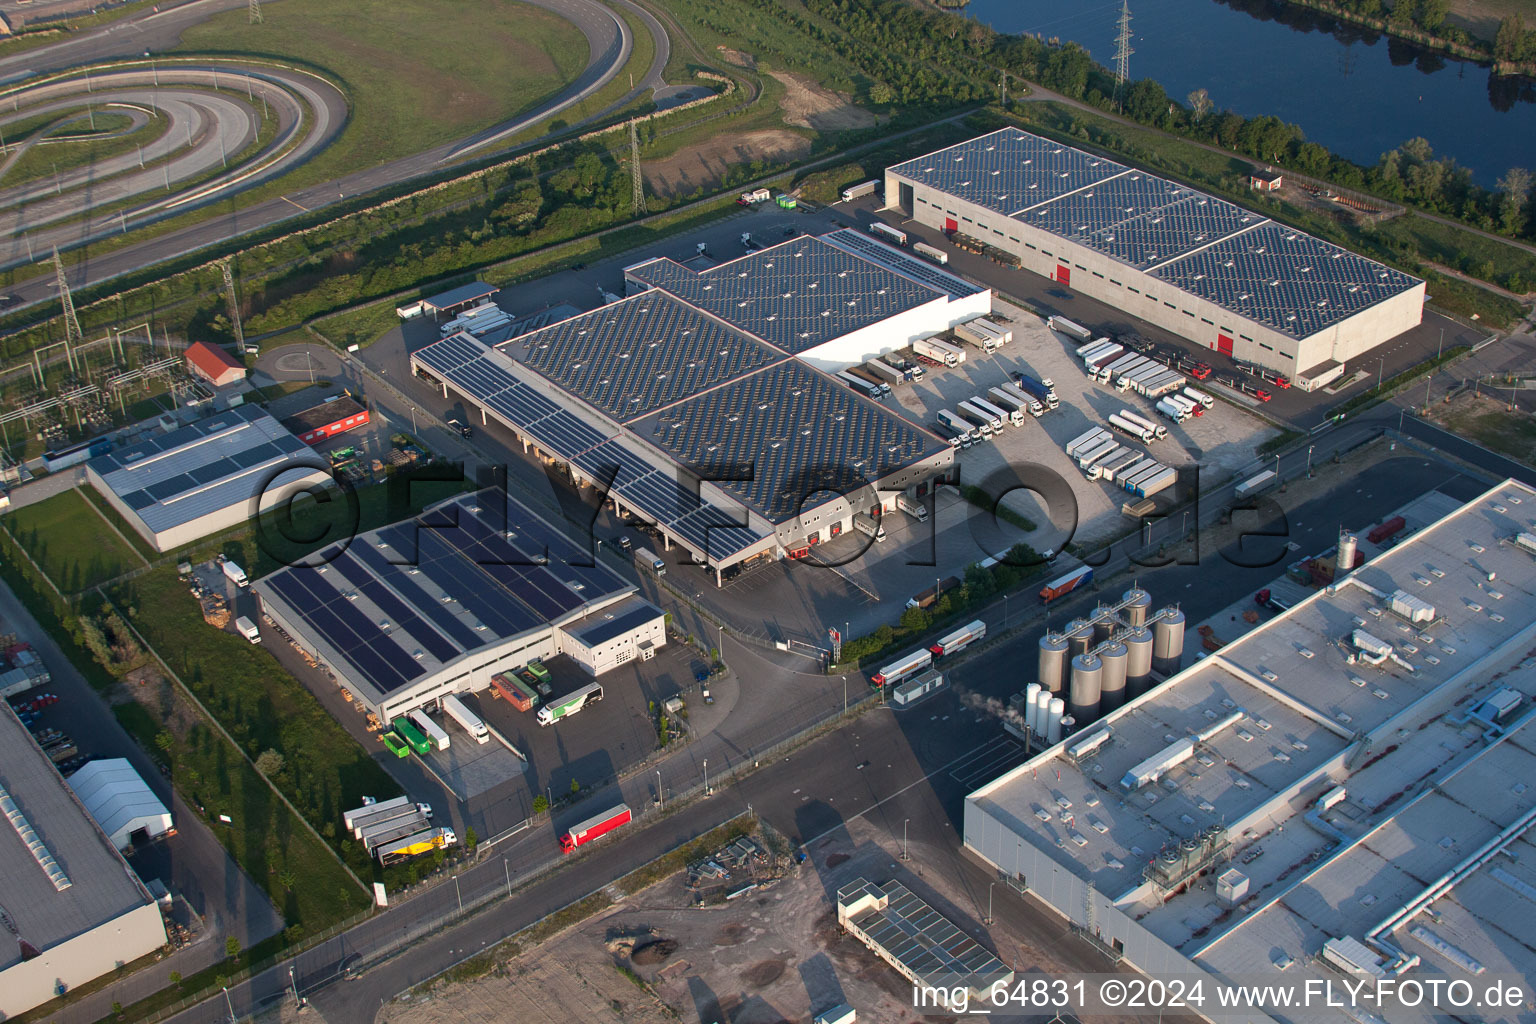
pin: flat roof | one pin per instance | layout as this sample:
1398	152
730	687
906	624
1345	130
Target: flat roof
779	437
1315	715
460	295
1283	278
98	884
230	458
402	602
798	294
613	621
926	942
328	412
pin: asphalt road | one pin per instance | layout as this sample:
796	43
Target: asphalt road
608	46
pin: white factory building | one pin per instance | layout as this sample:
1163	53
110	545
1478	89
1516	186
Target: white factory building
1224	277
120	801
413	612
179	486
1347	789
73	909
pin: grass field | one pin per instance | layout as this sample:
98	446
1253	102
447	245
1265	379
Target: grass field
1488	422
414	77
44	159
68	540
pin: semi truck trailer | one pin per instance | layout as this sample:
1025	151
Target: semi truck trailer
1063	585
556	710
938	351
431	729
959	640
467	719
1070	329
592	828
903	668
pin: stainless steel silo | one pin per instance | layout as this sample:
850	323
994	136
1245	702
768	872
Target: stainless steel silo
1138	662
1083	694
1115	660
1138	603
1052	664
1168	642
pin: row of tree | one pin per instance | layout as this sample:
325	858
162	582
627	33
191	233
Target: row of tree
1514	43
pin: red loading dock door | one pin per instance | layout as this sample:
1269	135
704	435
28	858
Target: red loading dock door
1224	344
1063	275
951	225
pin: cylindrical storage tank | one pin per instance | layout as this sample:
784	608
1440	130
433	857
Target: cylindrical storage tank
1112	686
1137	602
1052	664
1068	726
1083	694
1346	560
1081	639
1168	642
1102	628
1058	709
1043	712
1138	662
1031	698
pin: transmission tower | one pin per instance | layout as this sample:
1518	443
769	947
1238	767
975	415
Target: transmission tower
634	167
255	12
234	305
1123	50
72	332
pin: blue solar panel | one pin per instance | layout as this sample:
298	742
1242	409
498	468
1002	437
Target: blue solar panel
397	610
446	565
568	435
399	577
372	653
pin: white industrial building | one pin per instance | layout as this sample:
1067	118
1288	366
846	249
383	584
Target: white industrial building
408	614
120	801
215	474
1345	789
1226	278
701	401
71	908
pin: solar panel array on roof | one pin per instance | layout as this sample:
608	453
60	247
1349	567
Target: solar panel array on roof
224	460
784	434
1141	219
422	593
1009	170
636	355
927	942
795	295
920	270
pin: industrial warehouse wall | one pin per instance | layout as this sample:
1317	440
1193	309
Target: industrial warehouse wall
83	958
616	652
897	332
1156	301
129	515
1070	896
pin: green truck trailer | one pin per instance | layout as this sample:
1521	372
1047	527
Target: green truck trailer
396	745
412	735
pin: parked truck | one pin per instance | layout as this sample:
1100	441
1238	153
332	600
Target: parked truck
395	745
569	705
960	639
647	559
1171	409
1136	430
433	731
1040	389
514	691
929	597
236	574
1090	436
350	818
957	422
998	413
858	384
912	507
594	827
467	719
868	525
865	188
248	629
1070	329
1158	430
987	423
941	353
874	380
1014	402
1063	585
977	335
891	375
407	731
414	846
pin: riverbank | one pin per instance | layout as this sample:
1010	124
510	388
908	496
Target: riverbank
1472	49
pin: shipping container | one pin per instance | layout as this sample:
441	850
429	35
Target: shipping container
1070	329
858	384
1063	585
433	731
886	233
903	668
554	711
396	745
412	735
467	719
1387	530
913	690
514	691
1260	482
595	826
960	639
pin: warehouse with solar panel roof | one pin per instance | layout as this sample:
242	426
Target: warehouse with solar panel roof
702	401
1226	278
406	615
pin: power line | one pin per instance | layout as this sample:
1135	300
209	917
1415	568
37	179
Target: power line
255	12
72	332
638	187
1123	51
234	304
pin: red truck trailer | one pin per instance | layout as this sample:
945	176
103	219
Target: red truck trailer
1387	530
513	691
597	825
1062	585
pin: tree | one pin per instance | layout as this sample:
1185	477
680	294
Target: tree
540	805
1200	104
575	786
287	880
1515	187
231	947
881	94
164	740
175	978
1146	100
1510	40
1431	14
471	840
269	763
1404	12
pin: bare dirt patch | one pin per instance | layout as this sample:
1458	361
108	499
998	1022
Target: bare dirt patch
836	859
704	165
737	57
807	104
653	952
732	935
763	973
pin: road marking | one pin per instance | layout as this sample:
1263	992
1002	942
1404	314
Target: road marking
292	203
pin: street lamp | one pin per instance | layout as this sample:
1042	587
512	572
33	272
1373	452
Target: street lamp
660	796
1005	611
1309	460
229	1004
1381	363
508	868
845	693
706	777
905	852
1441	349
720	642
989	902
457	893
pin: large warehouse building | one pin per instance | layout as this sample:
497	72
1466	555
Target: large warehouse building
177	487
700	403
1200	267
408	614
71	908
1347	789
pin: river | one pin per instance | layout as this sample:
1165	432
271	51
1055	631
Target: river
1356	92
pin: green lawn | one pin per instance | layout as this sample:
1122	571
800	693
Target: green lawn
417	72
69	541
